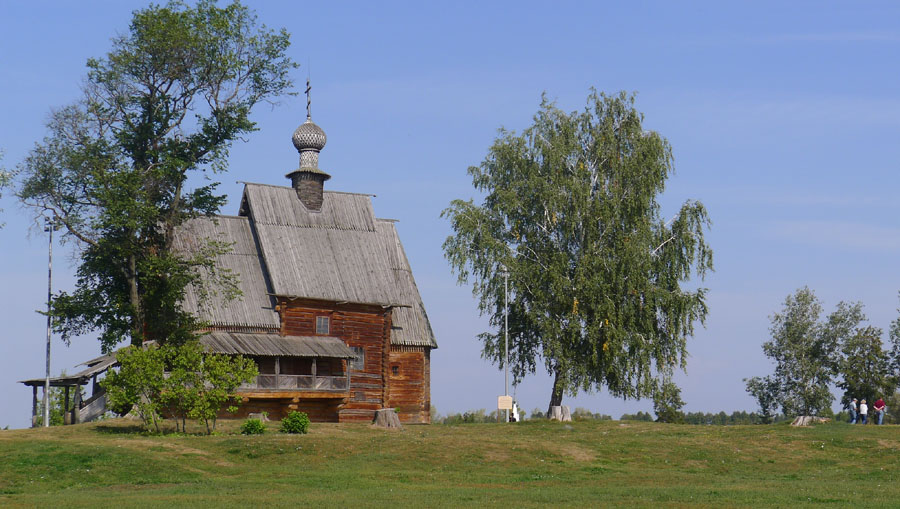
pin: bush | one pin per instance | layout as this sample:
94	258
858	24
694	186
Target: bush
295	422
253	427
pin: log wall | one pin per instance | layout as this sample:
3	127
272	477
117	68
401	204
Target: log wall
375	385
409	381
360	326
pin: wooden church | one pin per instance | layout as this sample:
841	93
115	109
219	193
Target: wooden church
330	311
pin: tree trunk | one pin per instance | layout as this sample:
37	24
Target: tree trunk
556	395
137	325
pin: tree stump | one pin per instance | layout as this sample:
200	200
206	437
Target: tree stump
262	416
560	413
806	420
387	418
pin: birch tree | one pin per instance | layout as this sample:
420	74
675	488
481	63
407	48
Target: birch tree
596	272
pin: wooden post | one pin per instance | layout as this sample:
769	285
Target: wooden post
67	419
34	406
347	369
94	386
76	412
277	372
314	373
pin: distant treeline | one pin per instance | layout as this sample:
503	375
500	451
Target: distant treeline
739	417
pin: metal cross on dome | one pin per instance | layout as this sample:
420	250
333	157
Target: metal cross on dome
308	88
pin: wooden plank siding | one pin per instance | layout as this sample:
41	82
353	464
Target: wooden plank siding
409	381
359	326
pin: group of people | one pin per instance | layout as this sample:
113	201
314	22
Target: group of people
860	411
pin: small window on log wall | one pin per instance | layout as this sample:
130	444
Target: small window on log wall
322	325
395	370
358	363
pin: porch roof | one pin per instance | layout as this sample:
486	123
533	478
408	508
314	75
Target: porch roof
274	345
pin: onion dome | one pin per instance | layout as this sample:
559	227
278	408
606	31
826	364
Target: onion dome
309	136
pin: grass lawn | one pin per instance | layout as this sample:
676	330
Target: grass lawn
538	463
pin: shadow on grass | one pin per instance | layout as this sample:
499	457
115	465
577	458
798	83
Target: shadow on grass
131	429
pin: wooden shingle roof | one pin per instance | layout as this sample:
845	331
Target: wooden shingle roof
256	307
276	345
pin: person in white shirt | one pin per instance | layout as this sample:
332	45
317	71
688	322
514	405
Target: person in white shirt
863	411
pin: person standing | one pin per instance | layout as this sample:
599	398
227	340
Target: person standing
853	409
863	412
879	410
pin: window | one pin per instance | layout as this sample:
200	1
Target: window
322	325
395	370
358	363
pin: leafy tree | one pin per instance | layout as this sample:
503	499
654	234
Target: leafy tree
640	416
220	376
667	403
811	353
182	381
5	180
767	392
165	104
595	273
138	383
865	367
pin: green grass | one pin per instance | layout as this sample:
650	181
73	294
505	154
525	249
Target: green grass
527	464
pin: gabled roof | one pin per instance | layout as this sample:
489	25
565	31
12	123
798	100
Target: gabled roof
256	307
342	253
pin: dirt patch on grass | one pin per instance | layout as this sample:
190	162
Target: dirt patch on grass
577	453
889	444
173	449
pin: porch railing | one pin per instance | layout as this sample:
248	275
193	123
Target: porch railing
298	382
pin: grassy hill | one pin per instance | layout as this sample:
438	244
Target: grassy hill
529	464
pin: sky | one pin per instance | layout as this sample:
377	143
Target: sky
784	118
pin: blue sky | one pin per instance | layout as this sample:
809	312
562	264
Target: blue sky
784	120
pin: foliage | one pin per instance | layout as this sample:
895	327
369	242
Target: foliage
163	106
253	427
221	376
584	414
5	180
181	380
865	366
295	422
537	414
595	273
811	353
805	353
640	416
667	403
739	417
479	416
138	383
766	391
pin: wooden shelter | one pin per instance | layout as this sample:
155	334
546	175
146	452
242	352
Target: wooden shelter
84	409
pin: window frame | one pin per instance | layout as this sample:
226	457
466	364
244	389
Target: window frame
327	321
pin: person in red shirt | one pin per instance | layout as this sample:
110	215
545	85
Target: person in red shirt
879	410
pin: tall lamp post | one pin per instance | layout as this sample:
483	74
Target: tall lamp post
49	226
505	333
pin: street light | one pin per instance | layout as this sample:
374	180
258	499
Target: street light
49	227
505	332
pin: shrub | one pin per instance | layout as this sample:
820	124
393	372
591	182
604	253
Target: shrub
253	427
295	422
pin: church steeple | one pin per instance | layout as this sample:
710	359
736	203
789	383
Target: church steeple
308	180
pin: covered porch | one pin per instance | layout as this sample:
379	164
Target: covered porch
289	366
